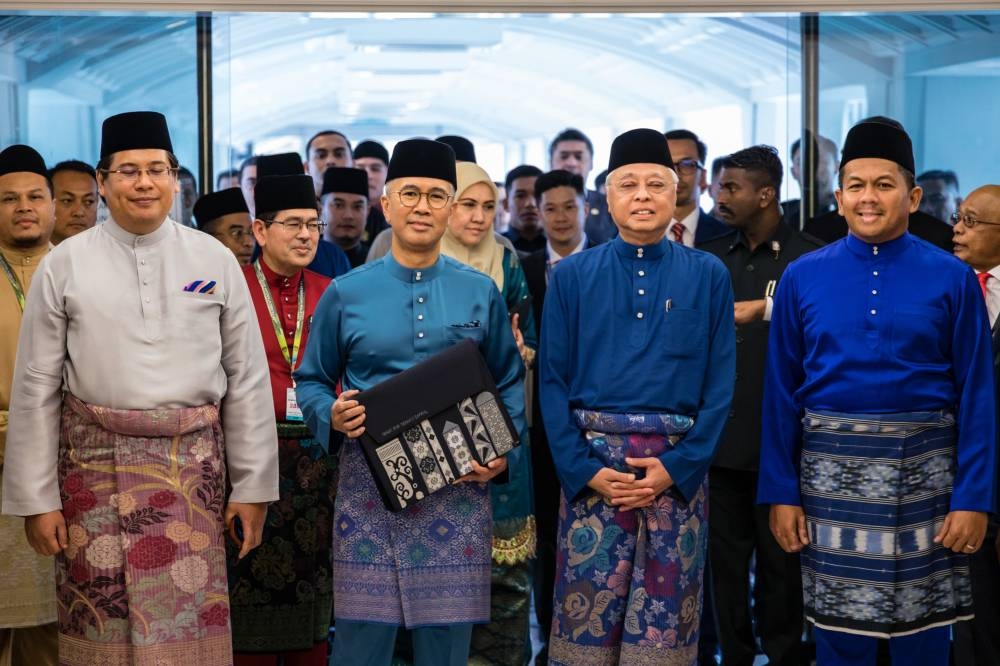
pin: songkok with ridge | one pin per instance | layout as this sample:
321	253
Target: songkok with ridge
280	164
371	149
274	193
20	158
346	180
464	150
880	139
639	146
422	158
215	205
135	130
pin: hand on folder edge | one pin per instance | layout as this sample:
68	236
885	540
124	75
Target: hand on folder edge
347	415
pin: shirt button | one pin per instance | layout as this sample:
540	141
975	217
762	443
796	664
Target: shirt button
872	311
642	273
420	300
639	252
145	281
147	299
875	273
142	262
420	335
289	315
750	268
642	292
420	317
418	275
138	241
874	292
638	315
739	339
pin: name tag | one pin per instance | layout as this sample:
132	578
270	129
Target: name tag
292	411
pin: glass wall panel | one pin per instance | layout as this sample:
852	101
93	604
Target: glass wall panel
938	74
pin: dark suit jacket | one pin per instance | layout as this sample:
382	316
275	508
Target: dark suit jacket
534	265
598	226
832	226
708	228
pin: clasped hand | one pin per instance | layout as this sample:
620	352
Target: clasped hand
625	490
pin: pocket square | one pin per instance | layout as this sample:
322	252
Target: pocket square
201	287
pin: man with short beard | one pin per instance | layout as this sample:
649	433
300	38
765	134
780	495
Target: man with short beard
756	252
74	185
879	442
139	356
344	208
28	632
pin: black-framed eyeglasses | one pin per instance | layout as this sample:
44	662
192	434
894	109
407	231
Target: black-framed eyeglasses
295	224
236	234
688	166
130	172
969	221
436	199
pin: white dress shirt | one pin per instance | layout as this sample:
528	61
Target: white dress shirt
690	223
993	294
108	320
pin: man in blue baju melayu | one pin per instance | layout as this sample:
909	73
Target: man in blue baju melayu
427	567
637	367
878	449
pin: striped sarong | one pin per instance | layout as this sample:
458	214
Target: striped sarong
628	586
876	489
143	581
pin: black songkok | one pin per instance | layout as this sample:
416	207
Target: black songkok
275	193
875	138
346	180
464	150
18	158
371	149
135	130
422	158
639	146
282	164
215	205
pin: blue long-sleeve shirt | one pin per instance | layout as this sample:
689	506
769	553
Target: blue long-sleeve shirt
873	329
637	329
382	318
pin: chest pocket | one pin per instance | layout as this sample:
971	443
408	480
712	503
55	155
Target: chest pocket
684	332
916	334
194	316
456	333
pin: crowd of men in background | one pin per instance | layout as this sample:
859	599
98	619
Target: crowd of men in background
334	205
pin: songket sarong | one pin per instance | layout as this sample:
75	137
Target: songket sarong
282	592
629	582
875	490
426	565
143	580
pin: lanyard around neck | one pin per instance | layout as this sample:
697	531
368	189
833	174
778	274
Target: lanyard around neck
290	355
14	282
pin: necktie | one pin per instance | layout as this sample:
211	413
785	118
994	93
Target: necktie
678	231
983	277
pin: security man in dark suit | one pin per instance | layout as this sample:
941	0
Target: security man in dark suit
573	151
977	243
756	250
563	209
689	153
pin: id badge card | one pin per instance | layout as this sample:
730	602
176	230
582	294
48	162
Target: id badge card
292	411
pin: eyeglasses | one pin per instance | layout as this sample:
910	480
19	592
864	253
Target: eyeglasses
154	171
295	224
436	199
630	186
236	234
969	221
688	166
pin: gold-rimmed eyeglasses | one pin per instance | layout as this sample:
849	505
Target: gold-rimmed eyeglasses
436	199
969	221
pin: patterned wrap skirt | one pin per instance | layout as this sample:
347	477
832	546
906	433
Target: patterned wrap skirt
876	489
424	566
282	592
629	582
143	581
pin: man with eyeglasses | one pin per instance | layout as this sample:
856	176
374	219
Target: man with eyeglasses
281	594
224	216
977	243
879	440
28	630
137	336
691	226
636	361
74	184
427	569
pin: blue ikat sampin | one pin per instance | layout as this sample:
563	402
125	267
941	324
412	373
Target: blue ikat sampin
201	287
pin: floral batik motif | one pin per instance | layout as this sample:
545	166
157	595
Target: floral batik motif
629	582
143	580
282	592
